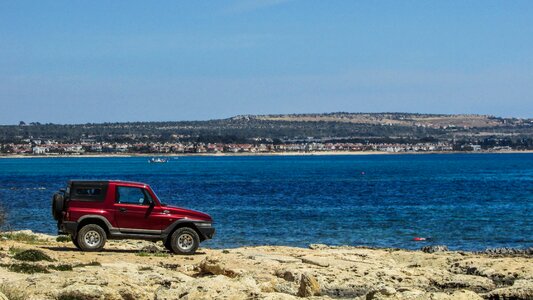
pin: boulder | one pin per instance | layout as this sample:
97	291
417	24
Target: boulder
289	274
308	286
213	266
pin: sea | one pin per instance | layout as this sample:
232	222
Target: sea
463	201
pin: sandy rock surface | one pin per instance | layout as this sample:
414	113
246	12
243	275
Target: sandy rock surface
267	272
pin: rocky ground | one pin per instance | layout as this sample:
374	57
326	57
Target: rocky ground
143	270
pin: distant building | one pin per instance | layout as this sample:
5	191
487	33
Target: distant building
476	147
39	150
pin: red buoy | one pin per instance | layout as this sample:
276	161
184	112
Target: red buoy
418	239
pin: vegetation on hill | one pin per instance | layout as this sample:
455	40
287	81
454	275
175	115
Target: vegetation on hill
353	127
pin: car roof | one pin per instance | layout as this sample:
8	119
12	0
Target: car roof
104	182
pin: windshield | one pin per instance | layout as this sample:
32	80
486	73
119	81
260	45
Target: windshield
160	202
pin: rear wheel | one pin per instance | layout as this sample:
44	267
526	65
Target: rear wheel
184	240
91	238
167	245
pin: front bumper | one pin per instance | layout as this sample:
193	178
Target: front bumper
206	229
67	227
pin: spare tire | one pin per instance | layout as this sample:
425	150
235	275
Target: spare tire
58	203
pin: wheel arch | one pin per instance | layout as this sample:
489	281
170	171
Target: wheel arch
94	219
180	224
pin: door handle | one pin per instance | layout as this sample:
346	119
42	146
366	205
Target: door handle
166	212
122	209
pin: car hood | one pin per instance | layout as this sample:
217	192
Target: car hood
188	213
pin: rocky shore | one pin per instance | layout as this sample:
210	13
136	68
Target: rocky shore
35	266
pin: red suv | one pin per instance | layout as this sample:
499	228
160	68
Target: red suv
93	211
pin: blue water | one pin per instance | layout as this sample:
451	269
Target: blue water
465	201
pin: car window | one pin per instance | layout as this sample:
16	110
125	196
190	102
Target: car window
86	192
132	195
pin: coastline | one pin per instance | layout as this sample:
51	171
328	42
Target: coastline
244	154
144	270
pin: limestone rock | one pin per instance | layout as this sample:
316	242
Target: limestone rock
520	290
288	274
286	288
218	287
433	249
88	292
317	261
279	258
381	292
150	249
133	293
465	295
278	296
269	272
421	295
471	282
308	286
509	251
318	246
213	266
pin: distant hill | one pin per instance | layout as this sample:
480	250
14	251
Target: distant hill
402	119
289	127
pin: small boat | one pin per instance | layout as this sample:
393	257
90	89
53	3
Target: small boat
157	160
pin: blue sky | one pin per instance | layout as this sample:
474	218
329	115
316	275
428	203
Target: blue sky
110	61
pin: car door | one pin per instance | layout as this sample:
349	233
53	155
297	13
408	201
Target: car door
135	211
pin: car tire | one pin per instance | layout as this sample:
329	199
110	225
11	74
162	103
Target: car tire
91	238
167	245
75	242
58	203
184	241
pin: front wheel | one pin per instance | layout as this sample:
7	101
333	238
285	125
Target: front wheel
91	238
75	242
184	241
